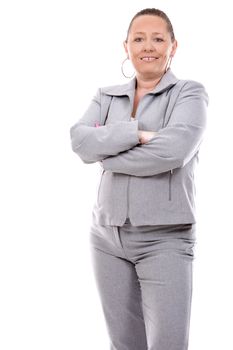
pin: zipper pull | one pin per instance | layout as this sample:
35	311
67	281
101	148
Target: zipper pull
171	171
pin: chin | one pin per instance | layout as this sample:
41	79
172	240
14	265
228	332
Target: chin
150	73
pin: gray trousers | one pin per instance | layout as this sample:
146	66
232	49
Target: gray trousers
144	279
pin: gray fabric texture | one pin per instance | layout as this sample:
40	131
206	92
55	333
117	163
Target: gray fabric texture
152	183
144	280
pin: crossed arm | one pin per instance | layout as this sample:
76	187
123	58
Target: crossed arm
92	143
174	145
171	147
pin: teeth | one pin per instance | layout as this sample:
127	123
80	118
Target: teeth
149	58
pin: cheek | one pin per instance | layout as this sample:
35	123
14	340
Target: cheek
135	51
134	56
164	51
165	56
167	51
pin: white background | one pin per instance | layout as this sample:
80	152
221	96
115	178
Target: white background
54	56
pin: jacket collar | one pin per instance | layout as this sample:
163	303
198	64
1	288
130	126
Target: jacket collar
167	80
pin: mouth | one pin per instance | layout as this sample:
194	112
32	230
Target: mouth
148	58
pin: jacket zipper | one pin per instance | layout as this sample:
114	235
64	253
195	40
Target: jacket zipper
127	214
170	184
100	183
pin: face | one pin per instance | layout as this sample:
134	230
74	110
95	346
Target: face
149	46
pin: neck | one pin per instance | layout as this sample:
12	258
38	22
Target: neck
147	84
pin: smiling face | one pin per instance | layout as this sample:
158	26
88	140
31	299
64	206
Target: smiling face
149	46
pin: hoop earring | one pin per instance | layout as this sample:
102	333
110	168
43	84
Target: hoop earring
122	69
168	64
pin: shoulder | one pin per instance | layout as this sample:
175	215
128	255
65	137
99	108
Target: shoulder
116	90
104	92
192	88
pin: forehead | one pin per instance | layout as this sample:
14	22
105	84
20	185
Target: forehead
149	23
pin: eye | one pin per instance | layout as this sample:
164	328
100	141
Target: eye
138	39
159	40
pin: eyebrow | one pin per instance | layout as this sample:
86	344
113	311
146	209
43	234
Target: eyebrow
145	33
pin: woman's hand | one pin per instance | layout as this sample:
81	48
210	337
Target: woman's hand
145	136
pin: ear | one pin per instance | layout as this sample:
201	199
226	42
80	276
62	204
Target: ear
174	47
125	47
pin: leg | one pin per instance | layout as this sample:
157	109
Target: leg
119	291
166	287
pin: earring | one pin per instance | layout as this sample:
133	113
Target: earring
168	63
122	69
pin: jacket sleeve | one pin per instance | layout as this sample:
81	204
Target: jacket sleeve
175	144
92	143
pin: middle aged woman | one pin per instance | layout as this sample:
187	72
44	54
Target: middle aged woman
143	230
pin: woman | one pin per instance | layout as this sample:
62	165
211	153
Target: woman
143	231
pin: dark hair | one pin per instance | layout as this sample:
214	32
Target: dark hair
154	12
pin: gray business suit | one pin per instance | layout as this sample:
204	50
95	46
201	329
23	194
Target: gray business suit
143	230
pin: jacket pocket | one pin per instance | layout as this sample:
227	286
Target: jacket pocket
170	185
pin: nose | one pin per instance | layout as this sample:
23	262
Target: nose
148	45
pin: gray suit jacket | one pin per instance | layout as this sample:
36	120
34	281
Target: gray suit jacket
152	183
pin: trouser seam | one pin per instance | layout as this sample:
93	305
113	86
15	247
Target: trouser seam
116	230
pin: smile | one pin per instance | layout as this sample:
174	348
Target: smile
148	59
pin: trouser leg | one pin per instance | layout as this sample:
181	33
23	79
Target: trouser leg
165	277
144	277
119	291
